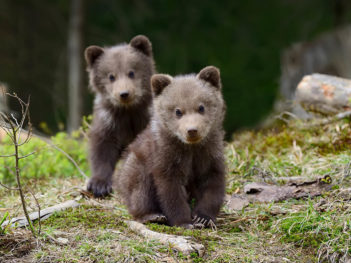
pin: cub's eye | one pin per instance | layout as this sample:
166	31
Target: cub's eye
111	77
178	113
201	109
131	74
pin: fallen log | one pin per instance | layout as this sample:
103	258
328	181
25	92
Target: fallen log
44	214
324	94
181	243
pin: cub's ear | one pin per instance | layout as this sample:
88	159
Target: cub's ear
211	74
92	53
143	44
159	82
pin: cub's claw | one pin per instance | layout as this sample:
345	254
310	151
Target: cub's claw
202	221
99	188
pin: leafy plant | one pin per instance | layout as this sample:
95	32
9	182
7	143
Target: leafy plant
3	229
48	161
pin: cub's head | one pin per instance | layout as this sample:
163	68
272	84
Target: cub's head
189	107
121	74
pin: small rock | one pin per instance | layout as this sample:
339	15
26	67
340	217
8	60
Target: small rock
237	202
58	233
62	241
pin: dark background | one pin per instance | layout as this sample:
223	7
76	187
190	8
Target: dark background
243	38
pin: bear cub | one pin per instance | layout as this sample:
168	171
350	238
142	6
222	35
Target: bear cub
120	78
174	171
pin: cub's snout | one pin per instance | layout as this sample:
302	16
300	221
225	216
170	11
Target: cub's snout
124	92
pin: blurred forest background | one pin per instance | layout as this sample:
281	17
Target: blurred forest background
42	45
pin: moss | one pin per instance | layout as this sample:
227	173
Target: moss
86	217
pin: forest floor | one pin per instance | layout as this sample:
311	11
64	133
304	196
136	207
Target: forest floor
303	230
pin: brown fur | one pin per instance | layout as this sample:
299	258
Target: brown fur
121	106
178	158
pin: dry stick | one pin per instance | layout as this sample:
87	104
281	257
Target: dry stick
281	116
8	188
13	130
337	117
5	156
180	243
44	214
39	209
64	153
20	186
69	157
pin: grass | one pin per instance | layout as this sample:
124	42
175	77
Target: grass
305	230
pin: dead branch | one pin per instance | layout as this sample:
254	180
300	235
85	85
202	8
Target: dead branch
13	129
181	243
8	188
42	214
69	158
25	156
335	118
4	156
38	205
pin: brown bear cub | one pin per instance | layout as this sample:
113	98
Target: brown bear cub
120	78
175	169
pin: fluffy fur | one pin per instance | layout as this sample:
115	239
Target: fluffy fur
179	157
120	78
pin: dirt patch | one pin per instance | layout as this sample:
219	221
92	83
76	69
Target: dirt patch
16	245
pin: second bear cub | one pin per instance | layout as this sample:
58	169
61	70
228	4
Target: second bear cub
179	157
120	78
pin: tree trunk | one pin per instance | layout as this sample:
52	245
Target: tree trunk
340	10
75	52
324	94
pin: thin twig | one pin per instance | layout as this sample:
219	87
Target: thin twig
10	171
25	156
69	158
23	201
13	117
10	155
38	205
13	132
337	117
7	187
281	116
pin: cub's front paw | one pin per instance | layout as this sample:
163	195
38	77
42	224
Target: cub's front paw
100	187
202	221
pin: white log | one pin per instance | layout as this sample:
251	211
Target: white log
44	214
180	243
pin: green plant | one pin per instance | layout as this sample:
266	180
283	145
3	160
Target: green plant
3	229
48	161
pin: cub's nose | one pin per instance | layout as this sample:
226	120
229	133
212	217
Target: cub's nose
124	95
192	133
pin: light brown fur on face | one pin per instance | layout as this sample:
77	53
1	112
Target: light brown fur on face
121	74
120	78
199	103
179	156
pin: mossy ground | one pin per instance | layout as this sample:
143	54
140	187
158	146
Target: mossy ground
305	230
